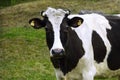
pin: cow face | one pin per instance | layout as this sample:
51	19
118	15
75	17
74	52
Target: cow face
56	25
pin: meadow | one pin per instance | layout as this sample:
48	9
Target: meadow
24	55
23	51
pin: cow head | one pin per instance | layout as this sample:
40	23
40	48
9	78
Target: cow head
56	24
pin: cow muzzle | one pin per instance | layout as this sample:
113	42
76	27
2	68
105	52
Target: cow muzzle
58	53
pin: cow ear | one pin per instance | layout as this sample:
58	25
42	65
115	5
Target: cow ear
75	22
37	23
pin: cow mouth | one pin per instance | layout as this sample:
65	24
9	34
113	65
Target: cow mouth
58	56
57	61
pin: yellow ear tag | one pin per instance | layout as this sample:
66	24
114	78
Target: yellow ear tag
32	23
79	22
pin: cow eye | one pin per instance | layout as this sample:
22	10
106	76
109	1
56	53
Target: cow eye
65	30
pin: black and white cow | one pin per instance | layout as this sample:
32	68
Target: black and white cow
81	46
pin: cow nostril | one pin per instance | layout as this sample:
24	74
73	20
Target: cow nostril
57	52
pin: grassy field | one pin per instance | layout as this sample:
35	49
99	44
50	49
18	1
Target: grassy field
24	55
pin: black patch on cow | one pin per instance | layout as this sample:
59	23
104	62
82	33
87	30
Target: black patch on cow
114	38
64	32
73	52
98	47
49	34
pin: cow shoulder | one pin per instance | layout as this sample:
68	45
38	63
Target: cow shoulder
114	38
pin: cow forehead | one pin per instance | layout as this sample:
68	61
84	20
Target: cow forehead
55	16
52	12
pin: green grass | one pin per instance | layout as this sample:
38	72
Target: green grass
24	55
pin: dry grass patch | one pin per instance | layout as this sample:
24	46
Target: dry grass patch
19	15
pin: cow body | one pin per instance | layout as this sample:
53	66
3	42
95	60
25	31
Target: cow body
81	46
102	43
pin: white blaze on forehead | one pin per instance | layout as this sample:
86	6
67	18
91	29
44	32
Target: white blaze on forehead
50	12
55	16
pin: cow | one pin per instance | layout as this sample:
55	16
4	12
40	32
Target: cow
81	46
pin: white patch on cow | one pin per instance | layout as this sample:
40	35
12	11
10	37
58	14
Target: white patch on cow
59	74
98	23
55	16
85	70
